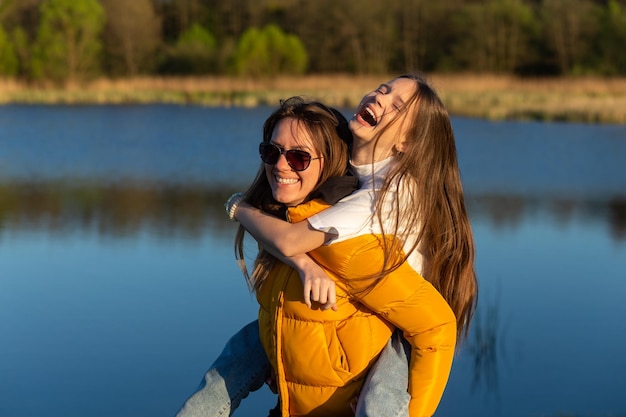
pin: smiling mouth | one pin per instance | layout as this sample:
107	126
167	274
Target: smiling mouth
286	181
368	116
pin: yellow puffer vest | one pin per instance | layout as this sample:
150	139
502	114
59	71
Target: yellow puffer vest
322	357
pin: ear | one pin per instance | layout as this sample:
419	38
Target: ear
400	146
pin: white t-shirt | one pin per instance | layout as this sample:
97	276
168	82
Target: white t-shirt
354	216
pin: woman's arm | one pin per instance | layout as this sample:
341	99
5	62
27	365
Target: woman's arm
278	236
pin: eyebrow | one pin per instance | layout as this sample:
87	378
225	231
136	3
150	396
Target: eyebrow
297	147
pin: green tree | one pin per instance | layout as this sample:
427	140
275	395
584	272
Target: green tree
269	52
411	18
8	58
187	12
132	36
325	30
196	37
22	49
193	53
230	18
570	27
495	35
425	35
67	46
5	8
611	41
15	22
371	54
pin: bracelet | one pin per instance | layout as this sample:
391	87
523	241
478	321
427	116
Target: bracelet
232	203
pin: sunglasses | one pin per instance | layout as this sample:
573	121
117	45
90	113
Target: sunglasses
298	160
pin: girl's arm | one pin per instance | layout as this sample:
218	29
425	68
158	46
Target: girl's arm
278	236
289	242
318	286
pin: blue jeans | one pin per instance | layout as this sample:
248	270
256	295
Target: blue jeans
242	368
385	391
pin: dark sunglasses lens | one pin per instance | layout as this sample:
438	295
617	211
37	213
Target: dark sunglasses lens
269	153
298	160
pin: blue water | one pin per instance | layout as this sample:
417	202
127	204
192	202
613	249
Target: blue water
115	298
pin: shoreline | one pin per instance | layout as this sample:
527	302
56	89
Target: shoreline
492	97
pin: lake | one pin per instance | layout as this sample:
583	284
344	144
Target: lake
118	285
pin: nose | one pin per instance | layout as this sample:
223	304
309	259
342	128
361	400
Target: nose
282	164
381	98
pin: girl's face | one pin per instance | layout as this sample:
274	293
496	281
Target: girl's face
289	186
379	108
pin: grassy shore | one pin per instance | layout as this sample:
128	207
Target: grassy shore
589	100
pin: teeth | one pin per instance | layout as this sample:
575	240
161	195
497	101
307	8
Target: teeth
369	116
286	180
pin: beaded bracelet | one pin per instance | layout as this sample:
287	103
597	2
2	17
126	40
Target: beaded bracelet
232	203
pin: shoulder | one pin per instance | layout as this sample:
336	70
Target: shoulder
349	214
305	210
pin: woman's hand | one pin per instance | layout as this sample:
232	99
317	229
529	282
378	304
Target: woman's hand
318	286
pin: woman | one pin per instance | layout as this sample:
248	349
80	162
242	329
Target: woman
404	141
308	142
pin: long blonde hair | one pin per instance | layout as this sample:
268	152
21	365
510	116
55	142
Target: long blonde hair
430	199
328	129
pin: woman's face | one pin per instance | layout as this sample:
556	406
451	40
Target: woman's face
379	108
289	186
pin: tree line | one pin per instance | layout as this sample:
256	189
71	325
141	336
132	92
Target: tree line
73	40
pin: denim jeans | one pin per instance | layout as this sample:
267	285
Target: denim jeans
242	368
385	391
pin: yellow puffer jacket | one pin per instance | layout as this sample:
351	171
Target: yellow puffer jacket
322	357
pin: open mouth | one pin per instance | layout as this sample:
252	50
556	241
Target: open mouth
368	116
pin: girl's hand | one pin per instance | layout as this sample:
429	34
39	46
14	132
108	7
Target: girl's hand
318	286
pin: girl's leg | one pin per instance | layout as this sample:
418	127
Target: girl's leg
385	392
241	368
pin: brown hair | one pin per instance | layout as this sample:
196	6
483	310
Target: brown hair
430	199
328	129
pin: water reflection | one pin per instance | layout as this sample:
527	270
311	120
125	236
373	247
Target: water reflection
510	211
124	209
617	218
144	310
113	209
190	212
485	346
